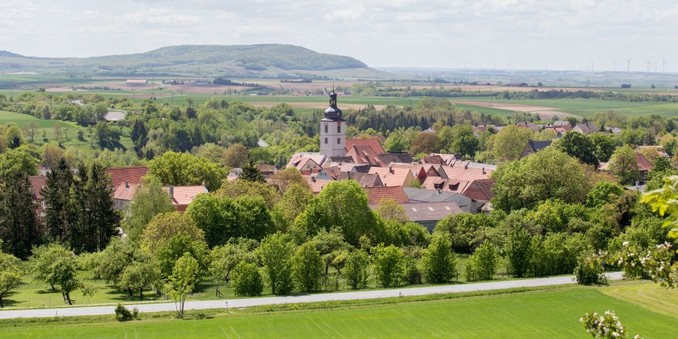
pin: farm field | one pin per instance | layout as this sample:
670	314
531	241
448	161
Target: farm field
543	313
588	107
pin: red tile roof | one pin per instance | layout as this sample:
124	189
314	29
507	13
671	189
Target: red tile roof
184	195
37	183
375	194
394	176
125	192
372	143
644	165
131	175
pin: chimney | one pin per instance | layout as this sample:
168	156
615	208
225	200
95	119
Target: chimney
171	192
312	179
390	169
483	170
466	166
126	184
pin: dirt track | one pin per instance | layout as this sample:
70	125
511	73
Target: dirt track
546	113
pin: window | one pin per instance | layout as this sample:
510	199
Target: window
339	141
339	128
326	141
325	128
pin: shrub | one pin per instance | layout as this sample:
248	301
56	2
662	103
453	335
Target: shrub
247	280
356	269
483	263
604	326
124	314
438	261
389	264
589	270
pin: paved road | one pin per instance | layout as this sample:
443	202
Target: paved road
377	294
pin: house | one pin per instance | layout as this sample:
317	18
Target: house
534	146
467	178
394	176
428	214
585	128
307	162
136	82
130	175
373	143
418	195
644	166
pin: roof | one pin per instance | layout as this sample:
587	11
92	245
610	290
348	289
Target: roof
430	210
125	192
183	195
376	194
644	165
364	155
393	176
422	195
316	184
396	157
585	128
131	175
373	143
37	183
537	145
465	171
363	179
298	160
115	116
479	190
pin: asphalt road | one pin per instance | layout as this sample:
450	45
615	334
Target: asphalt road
238	303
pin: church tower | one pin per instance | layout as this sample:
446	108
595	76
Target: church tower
333	130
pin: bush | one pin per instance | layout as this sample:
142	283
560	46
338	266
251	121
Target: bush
389	264
438	261
124	314
604	326
483	263
589	270
356	269
247	280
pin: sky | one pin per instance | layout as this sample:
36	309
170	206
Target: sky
584	35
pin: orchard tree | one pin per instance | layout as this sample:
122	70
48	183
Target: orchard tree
355	270
276	254
510	142
223	259
438	261
10	275
389	265
307	267
164	226
185	276
292	203
42	260
138	276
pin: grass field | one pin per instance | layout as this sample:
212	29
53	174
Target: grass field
545	313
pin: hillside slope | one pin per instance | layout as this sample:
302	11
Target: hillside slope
269	59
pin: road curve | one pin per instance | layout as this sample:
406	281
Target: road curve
310	298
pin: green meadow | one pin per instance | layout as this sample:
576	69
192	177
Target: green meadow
541	313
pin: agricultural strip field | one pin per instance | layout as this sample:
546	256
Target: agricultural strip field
588	107
542	313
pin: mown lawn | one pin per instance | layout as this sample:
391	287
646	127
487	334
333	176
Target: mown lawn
548	313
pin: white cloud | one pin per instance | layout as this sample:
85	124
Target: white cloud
158	16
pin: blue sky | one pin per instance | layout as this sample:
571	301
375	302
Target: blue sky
530	34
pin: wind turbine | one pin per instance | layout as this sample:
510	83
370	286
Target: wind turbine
628	65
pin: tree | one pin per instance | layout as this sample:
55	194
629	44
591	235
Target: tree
10	275
42	259
579	146
96	217
251	173
60	210
181	169
138	276
139	136
307	267
18	228
63	272
665	202
276	255
107	137
483	263
603	145
149	201
390	210
185	276
460	140
13	135
247	280
285	179
168	253
235	156
341	204
548	174
356	269
517	248
425	143
510	142
624	165
19	161
118	255
223	259
165	226
604	326
603	193
389	265
239	188
438	261
292	203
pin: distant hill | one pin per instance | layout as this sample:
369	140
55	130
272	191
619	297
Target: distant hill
234	60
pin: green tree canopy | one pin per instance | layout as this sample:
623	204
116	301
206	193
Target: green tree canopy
548	174
182	169
579	146
167	225
149	201
509	143
624	165
438	261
